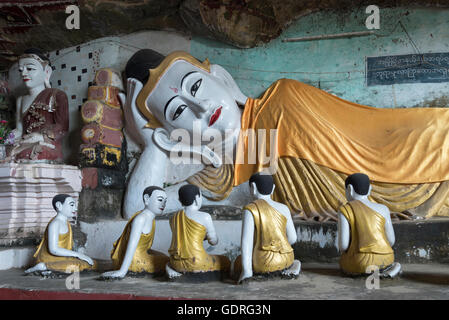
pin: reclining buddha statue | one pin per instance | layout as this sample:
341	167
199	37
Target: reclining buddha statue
319	139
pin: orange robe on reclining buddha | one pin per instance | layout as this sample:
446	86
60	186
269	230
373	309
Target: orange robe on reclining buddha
321	139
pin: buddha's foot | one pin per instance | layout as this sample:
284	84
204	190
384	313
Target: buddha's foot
293	271
38	267
172	274
391	271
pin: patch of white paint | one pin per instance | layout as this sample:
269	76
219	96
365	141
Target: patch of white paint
423	253
16	257
321	238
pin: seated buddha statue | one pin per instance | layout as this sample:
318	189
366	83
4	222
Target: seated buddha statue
42	116
190	227
54	253
365	232
132	251
319	139
267	235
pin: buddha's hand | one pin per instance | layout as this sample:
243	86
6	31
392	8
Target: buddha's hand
114	274
85	258
128	101
32	137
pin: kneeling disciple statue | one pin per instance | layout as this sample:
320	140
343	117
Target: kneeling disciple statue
131	251
267	235
365	232
190	227
55	250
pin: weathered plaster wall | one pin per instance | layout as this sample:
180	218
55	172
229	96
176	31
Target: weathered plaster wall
338	65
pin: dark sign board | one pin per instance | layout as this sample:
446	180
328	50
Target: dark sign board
410	68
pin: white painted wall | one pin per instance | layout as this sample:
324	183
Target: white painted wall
16	257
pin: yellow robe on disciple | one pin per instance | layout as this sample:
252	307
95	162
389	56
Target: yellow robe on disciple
272	251
368	245
144	259
186	251
58	263
321	139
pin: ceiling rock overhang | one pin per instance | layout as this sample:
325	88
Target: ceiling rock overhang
242	23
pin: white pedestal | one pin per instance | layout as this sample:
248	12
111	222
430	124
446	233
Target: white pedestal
26	193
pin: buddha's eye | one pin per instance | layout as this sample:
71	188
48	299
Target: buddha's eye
195	87
178	111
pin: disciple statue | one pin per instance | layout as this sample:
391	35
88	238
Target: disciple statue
132	251
365	232
54	253
267	235
190	227
42	117
311	140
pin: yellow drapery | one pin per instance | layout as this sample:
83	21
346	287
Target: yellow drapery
322	138
314	191
144	259
186	250
389	145
57	263
216	183
368	245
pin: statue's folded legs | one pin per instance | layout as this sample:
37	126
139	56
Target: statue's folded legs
190	227
54	253
365	232
267	235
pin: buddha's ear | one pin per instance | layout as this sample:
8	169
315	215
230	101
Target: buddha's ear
58	205
349	190
253	189
229	82
48	71
162	139
146	198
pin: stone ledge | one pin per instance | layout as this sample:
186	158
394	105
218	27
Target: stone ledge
423	241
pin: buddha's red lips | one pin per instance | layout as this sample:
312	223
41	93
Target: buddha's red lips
215	116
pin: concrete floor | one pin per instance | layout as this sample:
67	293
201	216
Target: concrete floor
317	281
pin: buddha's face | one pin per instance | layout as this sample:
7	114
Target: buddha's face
32	72
156	202
186	94
68	208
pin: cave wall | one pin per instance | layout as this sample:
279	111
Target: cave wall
338	65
